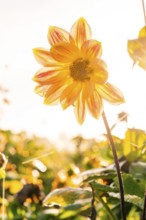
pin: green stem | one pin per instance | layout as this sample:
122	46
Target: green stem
121	188
112	217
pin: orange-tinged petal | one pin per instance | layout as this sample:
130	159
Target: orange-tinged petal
70	94
57	35
45	73
95	105
43	57
110	93
41	89
79	109
91	49
88	87
141	57
81	31
100	74
133	45
64	52
53	93
137	51
142	32
51	77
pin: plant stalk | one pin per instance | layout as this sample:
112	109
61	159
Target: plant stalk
112	217
93	210
3	199
144	209
121	188
144	12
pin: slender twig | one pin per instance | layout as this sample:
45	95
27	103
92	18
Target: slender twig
3	198
116	164
144	12
119	120
144	208
93	210
112	217
35	158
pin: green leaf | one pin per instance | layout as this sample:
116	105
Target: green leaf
131	186
133	199
107	172
138	169
103	188
106	176
67	196
76	209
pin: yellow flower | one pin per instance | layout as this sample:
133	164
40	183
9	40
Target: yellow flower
73	73
137	48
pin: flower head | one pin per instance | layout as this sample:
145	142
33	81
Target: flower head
73	72
137	48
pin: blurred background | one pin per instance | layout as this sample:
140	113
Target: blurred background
24	25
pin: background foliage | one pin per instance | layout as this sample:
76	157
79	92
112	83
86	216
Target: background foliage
43	182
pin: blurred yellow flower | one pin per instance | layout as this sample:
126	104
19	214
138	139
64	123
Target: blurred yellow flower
73	73
137	48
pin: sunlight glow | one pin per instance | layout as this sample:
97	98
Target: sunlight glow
113	23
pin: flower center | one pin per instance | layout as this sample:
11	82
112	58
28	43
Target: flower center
80	70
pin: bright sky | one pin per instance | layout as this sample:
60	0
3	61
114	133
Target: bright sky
24	25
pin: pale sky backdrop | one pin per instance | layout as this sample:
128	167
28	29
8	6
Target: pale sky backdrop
24	25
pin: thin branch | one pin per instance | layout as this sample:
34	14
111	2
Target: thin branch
144	12
93	210
121	188
112	217
144	209
3	198
36	158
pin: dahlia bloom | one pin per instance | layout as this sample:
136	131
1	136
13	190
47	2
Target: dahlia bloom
137	48
73	72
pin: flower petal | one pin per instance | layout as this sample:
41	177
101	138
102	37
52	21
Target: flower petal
70	94
95	105
43	57
45	73
57	35
41	89
100	73
137	51
133	45
141	57
111	93
50	77
79	109
91	49
81	31
53	93
142	32
64	52
88	88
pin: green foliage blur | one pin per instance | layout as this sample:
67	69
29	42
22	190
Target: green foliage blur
45	183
